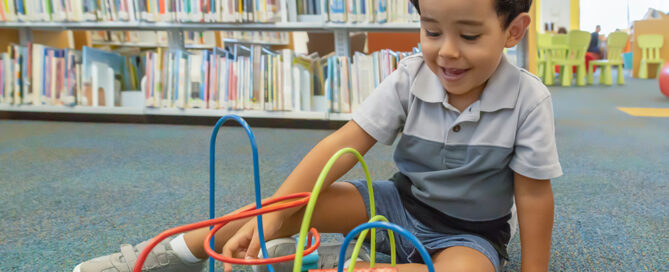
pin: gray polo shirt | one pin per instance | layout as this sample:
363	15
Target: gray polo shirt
462	163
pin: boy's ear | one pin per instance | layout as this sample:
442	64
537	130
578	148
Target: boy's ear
516	30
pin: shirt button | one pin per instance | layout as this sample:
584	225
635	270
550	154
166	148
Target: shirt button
456	128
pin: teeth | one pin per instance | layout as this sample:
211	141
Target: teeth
454	71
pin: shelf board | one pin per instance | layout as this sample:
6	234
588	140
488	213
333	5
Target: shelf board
75	109
229	40
149	45
274	119
293	26
167	112
246	113
133	44
374	27
340	116
162	26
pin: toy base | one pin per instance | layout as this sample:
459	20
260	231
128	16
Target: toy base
379	269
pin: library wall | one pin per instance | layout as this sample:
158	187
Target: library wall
58	39
9	36
392	41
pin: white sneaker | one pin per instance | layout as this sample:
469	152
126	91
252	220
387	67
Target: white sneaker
161	259
328	254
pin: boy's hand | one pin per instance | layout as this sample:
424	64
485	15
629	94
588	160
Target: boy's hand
245	244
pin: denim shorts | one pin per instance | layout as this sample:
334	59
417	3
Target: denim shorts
389	204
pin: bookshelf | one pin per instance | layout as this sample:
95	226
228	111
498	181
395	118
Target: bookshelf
176	41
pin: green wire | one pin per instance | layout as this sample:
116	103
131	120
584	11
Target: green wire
306	220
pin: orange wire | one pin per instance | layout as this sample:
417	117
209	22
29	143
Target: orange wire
221	221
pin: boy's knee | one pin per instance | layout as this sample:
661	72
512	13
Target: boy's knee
462	259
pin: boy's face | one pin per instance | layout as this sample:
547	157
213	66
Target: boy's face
462	42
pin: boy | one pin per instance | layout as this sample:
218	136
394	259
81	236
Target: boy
476	132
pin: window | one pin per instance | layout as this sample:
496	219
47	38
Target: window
616	14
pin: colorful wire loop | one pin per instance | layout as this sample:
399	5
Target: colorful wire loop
266	206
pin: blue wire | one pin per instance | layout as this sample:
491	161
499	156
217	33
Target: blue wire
256	174
384	225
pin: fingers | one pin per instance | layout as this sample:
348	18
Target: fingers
236	246
254	246
245	243
227	252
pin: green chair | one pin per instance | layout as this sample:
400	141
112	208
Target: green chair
577	46
544	43
557	50
615	45
650	53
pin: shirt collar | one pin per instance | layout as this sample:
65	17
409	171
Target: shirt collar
501	91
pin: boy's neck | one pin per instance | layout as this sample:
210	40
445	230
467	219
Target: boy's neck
462	101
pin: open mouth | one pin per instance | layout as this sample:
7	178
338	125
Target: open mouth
453	74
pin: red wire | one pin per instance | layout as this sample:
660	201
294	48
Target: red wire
309	239
221	221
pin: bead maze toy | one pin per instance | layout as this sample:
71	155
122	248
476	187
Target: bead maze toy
308	236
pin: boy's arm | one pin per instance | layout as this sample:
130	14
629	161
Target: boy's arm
534	202
304	176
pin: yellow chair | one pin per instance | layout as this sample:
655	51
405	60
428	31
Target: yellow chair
577	46
557	50
650	53
615	44
544	43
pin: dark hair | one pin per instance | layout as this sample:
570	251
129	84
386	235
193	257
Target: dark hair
509	9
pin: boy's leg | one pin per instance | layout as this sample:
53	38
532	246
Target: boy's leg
453	259
339	209
462	258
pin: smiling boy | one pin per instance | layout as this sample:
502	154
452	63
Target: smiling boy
477	133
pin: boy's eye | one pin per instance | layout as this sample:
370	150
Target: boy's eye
431	34
470	37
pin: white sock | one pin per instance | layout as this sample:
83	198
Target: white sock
179	246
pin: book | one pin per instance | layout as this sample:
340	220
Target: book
71	90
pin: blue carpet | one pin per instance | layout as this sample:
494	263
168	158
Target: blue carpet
74	191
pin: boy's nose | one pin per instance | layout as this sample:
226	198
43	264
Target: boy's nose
449	50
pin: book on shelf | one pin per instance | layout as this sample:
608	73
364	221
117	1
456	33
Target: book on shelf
13	74
207	11
47	74
73	87
236	78
36	74
255	78
192	39
200	38
130	38
141	10
240	78
254	37
350	81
